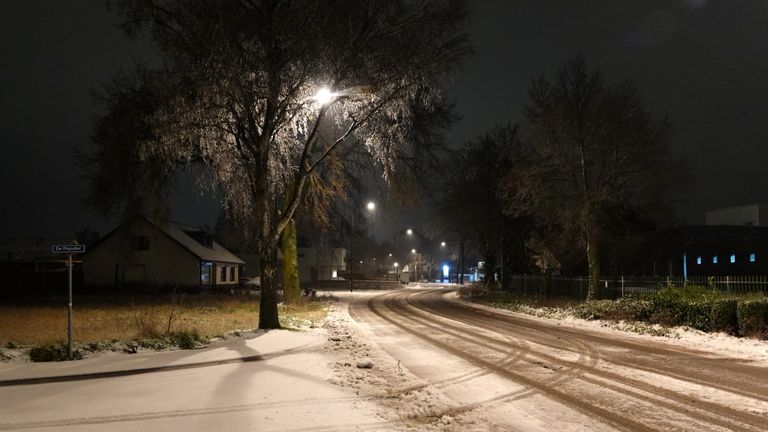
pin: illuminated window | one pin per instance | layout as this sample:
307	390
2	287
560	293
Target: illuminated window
335	274
752	257
714	259
733	258
698	260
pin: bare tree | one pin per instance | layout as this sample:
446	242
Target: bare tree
593	156
469	202
262	93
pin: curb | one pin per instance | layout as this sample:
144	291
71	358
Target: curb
140	371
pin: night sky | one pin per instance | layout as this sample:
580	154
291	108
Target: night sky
703	63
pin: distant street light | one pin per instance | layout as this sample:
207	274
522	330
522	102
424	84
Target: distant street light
442	243
371	206
409	231
413	251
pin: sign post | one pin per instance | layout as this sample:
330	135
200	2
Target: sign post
69	249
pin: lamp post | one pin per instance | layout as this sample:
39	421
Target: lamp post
418	270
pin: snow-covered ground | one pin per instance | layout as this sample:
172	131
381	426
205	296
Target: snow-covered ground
348	375
721	344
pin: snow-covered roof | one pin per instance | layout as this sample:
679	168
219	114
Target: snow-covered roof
216	252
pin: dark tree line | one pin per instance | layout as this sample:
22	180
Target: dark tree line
588	165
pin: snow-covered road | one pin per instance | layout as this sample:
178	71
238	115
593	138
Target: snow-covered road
517	373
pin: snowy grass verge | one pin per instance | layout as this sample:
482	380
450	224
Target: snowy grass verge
130	324
568	312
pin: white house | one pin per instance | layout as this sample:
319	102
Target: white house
143	252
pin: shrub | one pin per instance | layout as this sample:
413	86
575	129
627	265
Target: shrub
752	316
722	316
55	352
185	339
11	345
627	308
689	306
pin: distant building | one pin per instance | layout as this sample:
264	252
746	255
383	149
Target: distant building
28	266
144	253
701	250
322	264
749	215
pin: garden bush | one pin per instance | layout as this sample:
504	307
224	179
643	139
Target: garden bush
752	317
55	352
722	316
185	339
687	306
627	308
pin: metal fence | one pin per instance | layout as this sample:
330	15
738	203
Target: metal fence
577	287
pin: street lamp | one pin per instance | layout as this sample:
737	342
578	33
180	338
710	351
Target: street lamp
442	244
409	231
418	270
371	206
324	96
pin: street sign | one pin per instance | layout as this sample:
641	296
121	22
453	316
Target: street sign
68	249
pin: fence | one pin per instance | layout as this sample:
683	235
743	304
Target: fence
577	287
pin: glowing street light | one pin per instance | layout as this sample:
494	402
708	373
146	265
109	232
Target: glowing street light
442	243
324	96
413	251
371	206
409	231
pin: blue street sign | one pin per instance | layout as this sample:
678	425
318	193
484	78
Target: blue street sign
68	249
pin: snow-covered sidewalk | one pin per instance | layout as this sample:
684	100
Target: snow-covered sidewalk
274	381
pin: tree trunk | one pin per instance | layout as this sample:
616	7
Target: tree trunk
291	289
593	261
268	317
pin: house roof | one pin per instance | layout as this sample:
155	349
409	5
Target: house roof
179	233
216	252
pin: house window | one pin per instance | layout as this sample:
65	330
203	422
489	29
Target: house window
232	273
714	259
752	257
698	260
140	243
222	274
733	258
205	273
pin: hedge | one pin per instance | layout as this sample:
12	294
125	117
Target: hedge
752	316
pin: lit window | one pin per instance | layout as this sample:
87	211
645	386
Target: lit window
752	257
714	259
733	258
335	274
698	260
